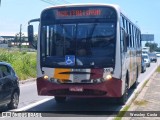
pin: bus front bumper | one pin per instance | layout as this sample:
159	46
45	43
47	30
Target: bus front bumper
110	88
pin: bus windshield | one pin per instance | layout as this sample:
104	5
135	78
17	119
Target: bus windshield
92	44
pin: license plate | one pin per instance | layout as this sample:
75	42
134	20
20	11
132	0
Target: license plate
76	89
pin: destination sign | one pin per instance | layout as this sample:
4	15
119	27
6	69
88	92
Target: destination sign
70	13
84	12
55	14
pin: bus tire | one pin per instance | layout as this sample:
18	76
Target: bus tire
134	86
122	100
60	99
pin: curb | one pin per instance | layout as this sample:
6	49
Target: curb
26	81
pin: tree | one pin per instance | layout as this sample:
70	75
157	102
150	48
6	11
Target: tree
158	49
153	46
19	39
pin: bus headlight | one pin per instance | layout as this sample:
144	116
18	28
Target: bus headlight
108	77
46	77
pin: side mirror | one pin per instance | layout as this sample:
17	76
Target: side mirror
30	34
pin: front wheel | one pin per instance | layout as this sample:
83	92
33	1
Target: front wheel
60	99
122	100
14	101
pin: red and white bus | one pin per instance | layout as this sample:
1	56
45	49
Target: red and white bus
87	50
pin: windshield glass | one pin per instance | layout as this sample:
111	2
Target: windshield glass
152	55
145	56
90	44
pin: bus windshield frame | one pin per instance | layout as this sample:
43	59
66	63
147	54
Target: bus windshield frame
91	40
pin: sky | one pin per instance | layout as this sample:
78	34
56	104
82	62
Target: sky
145	13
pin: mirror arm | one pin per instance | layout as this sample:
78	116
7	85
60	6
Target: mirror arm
34	20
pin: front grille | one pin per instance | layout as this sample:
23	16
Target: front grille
86	92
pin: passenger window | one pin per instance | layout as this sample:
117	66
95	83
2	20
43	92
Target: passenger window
1	74
12	72
4	71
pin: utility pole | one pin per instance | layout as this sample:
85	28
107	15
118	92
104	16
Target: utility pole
20	36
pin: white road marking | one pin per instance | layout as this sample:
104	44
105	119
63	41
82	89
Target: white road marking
32	105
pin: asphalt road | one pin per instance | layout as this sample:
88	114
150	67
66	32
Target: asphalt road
73	107
148	71
29	94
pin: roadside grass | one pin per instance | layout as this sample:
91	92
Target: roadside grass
23	63
122	113
158	69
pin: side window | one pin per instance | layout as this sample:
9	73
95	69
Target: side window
5	71
129	32
1	74
134	39
125	25
139	38
12	72
122	40
122	22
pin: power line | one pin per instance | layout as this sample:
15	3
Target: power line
46	1
56	2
